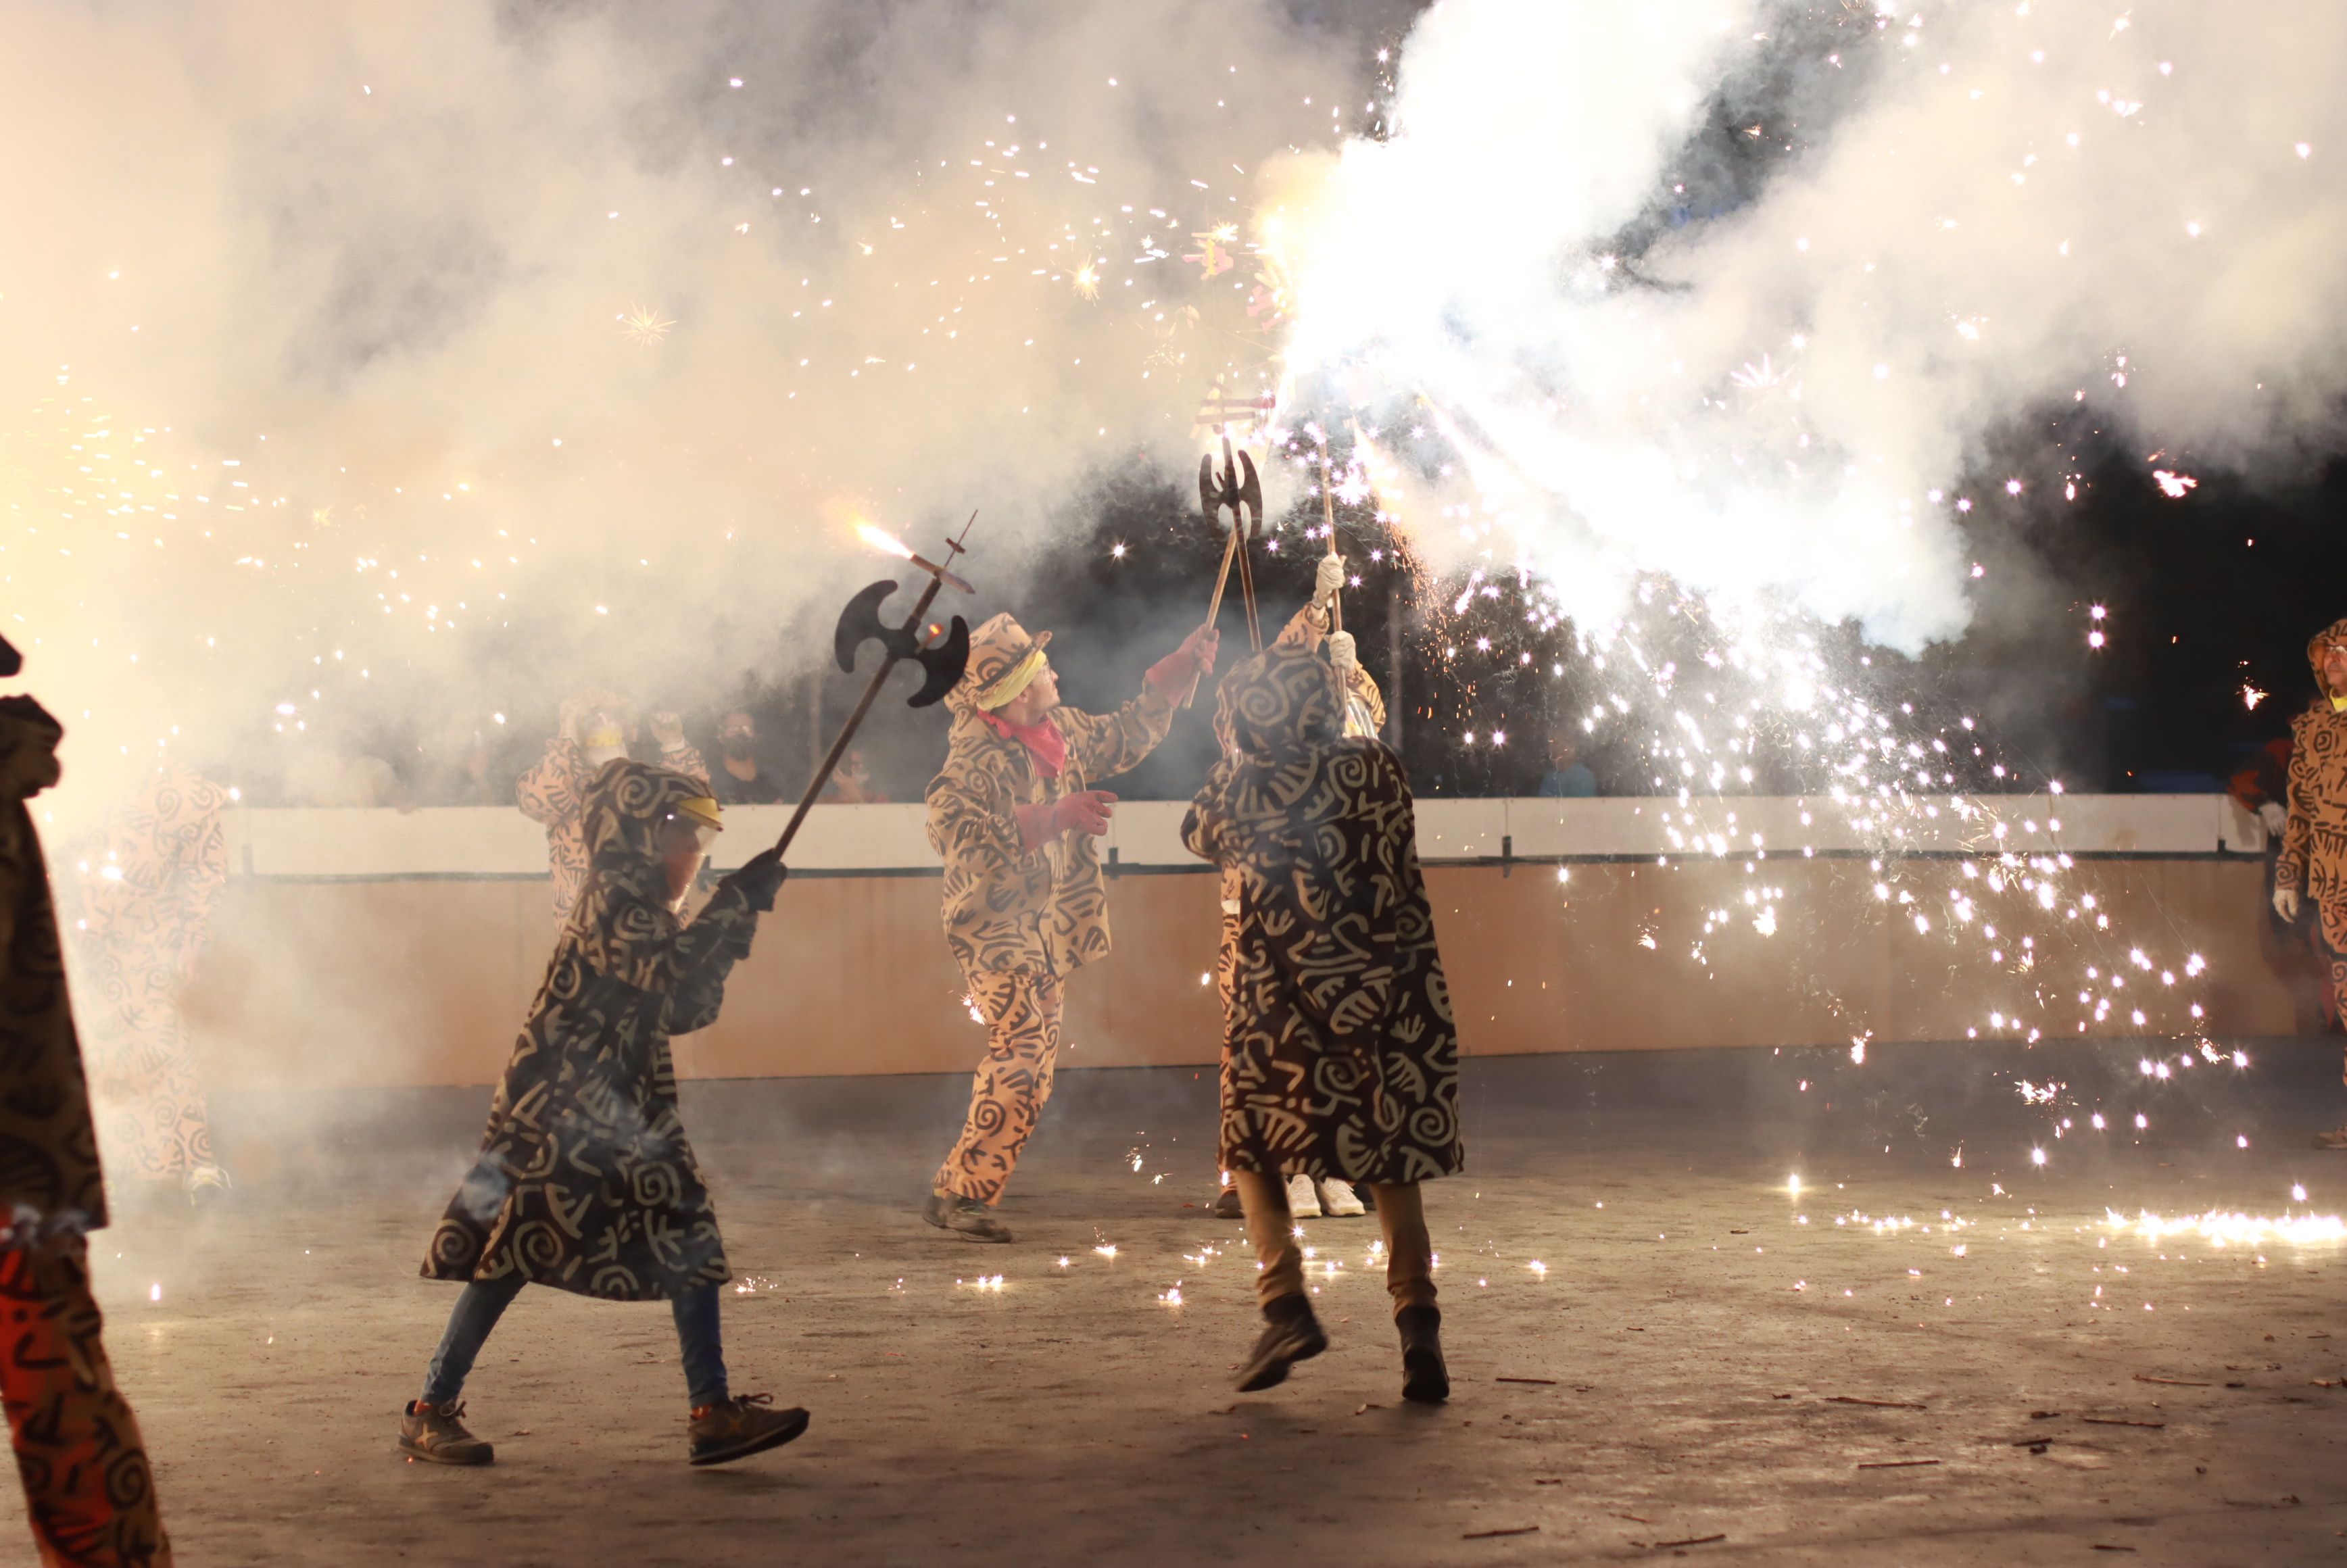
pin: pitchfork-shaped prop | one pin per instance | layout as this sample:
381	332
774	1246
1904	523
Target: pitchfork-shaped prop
1240	489
942	664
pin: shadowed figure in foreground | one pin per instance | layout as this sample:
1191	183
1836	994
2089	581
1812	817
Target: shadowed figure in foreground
88	1490
1339	1059
585	1181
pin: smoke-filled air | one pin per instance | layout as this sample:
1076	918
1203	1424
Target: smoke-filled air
467	348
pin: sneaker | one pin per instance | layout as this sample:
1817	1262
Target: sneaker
1227	1206
1336	1200
1302	1201
2335	1139
741	1427
429	1432
1290	1334
964	1217
1425	1380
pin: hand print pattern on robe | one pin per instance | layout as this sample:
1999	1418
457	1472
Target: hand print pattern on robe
146	895
1340	1059
585	1180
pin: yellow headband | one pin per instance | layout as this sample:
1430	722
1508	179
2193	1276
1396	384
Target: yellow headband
604	739
1015	680
702	809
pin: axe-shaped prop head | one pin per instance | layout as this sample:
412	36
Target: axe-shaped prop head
1239	488
941	665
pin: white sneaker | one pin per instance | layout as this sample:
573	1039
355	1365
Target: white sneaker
1302	1201
1337	1202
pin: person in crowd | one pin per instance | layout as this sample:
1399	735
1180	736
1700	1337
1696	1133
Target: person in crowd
851	783
329	767
1340	1059
89	1491
1013	814
1568	777
2311	871
740	779
595	728
455	766
1308	1197
147	887
585	1180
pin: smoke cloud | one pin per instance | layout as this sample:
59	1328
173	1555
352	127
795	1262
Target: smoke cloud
1983	213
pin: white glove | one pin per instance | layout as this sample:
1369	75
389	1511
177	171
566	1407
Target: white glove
2274	817
1330	579
2286	903
1342	653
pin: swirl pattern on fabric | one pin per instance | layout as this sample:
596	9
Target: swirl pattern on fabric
2313	856
146	903
585	1180
1340	1059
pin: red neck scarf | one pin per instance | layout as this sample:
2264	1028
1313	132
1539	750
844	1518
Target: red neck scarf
1043	739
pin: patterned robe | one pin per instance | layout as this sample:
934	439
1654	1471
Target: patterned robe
585	1180
89	1491
1008	909
49	1182
147	890
554	795
1339	1056
2314	842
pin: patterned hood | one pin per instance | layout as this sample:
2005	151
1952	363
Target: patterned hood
1279	703
623	910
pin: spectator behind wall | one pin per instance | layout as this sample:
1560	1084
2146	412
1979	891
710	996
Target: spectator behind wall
851	783
740	777
596	727
1568	777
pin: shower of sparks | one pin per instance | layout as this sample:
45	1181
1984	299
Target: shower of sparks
2252	696
2220	1228
644	326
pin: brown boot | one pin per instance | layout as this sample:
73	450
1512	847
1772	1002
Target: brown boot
1290	1334
1425	1380
431	1432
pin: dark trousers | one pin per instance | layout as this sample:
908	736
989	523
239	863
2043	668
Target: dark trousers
479	1307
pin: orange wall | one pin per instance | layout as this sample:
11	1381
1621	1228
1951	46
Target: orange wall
398	983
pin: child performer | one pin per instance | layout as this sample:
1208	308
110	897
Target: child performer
1339	1059
585	1181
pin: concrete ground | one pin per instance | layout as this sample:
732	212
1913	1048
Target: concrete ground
1658	1348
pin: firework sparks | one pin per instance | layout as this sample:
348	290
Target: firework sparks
644	326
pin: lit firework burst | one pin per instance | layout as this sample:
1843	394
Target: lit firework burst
644	326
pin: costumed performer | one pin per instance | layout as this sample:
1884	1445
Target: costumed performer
1013	817
1340	1060
585	1180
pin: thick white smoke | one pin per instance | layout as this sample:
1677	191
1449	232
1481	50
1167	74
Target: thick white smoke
316	380
2016	206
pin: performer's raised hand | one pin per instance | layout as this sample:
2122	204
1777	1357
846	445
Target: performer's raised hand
1343	654
1329	579
668	730
1181	671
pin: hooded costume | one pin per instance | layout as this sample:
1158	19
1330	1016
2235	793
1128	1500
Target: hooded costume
1339	1057
89	1492
585	1181
2313	860
553	793
1019	920
148	892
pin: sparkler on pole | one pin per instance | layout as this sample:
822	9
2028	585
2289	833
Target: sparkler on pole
860	621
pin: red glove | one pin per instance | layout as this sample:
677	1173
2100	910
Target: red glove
1086	811
1173	676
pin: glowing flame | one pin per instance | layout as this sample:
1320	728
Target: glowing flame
888	544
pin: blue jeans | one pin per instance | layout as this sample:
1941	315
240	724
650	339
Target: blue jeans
479	1307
